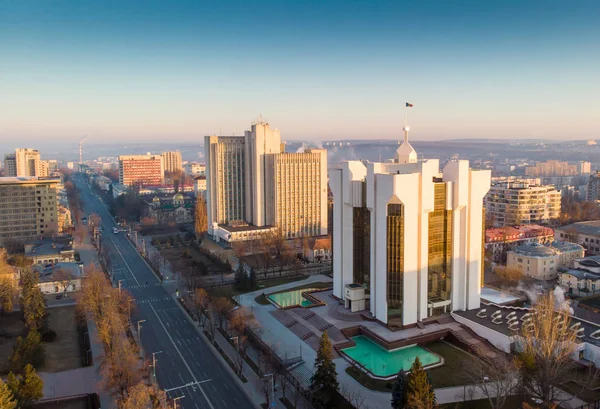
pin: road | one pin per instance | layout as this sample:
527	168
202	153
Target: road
184	358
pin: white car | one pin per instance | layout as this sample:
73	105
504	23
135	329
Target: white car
115	230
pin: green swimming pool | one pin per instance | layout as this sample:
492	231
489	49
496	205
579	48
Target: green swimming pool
292	298
384	363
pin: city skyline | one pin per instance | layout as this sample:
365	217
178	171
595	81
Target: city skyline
144	72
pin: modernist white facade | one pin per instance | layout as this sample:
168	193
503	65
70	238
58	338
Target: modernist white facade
410	235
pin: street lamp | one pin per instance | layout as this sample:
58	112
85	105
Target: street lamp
129	306
237	343
272	404
154	362
139	329
176	399
120	285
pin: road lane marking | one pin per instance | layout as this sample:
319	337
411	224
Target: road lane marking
181	356
120	254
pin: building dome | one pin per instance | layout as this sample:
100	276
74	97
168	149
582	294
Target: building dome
178	197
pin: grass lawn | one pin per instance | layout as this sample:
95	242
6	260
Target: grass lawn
12	324
449	374
62	354
455	362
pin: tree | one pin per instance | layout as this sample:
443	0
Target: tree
419	392
201	217
26	351
240	278
143	396
252	280
32	301
7	399
497	379
241	320
202	303
547	343
324	383
26	388
65	278
120	367
94	220
223	307
399	391
8	292
506	276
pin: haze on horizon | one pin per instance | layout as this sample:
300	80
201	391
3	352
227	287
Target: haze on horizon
318	70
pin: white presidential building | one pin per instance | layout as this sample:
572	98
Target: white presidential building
409	235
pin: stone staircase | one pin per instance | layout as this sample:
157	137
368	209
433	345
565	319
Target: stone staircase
476	343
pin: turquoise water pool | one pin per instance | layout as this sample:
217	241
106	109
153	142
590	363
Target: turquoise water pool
292	298
384	363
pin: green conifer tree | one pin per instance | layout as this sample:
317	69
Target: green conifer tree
26	388
419	392
399	391
324	384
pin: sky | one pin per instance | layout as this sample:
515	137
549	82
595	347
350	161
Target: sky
132	71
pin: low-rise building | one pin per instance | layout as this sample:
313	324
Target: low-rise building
579	282
543	262
60	278
499	240
48	251
318	250
167	208
199	185
585	233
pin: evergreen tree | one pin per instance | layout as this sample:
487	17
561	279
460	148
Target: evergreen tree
240	278
399	391
32	301
252	282
7	399
28	350
26	388
419	392
324	384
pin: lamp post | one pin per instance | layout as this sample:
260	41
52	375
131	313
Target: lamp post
272	403
154	363
237	343
120	285
176	399
129	306
139	329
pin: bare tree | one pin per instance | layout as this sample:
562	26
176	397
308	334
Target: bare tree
496	379
143	396
65	278
241	320
202	304
548	342
94	220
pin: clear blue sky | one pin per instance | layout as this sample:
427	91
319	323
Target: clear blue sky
177	70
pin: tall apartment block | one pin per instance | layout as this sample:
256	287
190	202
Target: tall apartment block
514	203
558	168
24	162
28	208
172	161
593	192
407	238
140	170
251	181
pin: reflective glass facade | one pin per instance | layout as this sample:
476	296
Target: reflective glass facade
439	277
395	259
361	246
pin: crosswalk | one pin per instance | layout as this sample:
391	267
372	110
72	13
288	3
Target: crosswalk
154	299
143	285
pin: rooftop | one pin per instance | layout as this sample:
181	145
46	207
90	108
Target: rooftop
46	247
566	246
11	180
47	273
535	250
243	227
592	228
487	311
517	232
582	274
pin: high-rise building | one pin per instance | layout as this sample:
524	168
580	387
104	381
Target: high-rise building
28	208
225	183
10	165
514	203
43	168
24	162
251	180
593	191
585	168
558	168
140	170
409	236
171	161
296	192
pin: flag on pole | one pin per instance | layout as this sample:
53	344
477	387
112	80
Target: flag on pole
409	105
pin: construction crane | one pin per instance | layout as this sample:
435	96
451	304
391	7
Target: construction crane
81	141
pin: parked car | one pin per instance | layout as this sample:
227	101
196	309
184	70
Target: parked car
59	296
